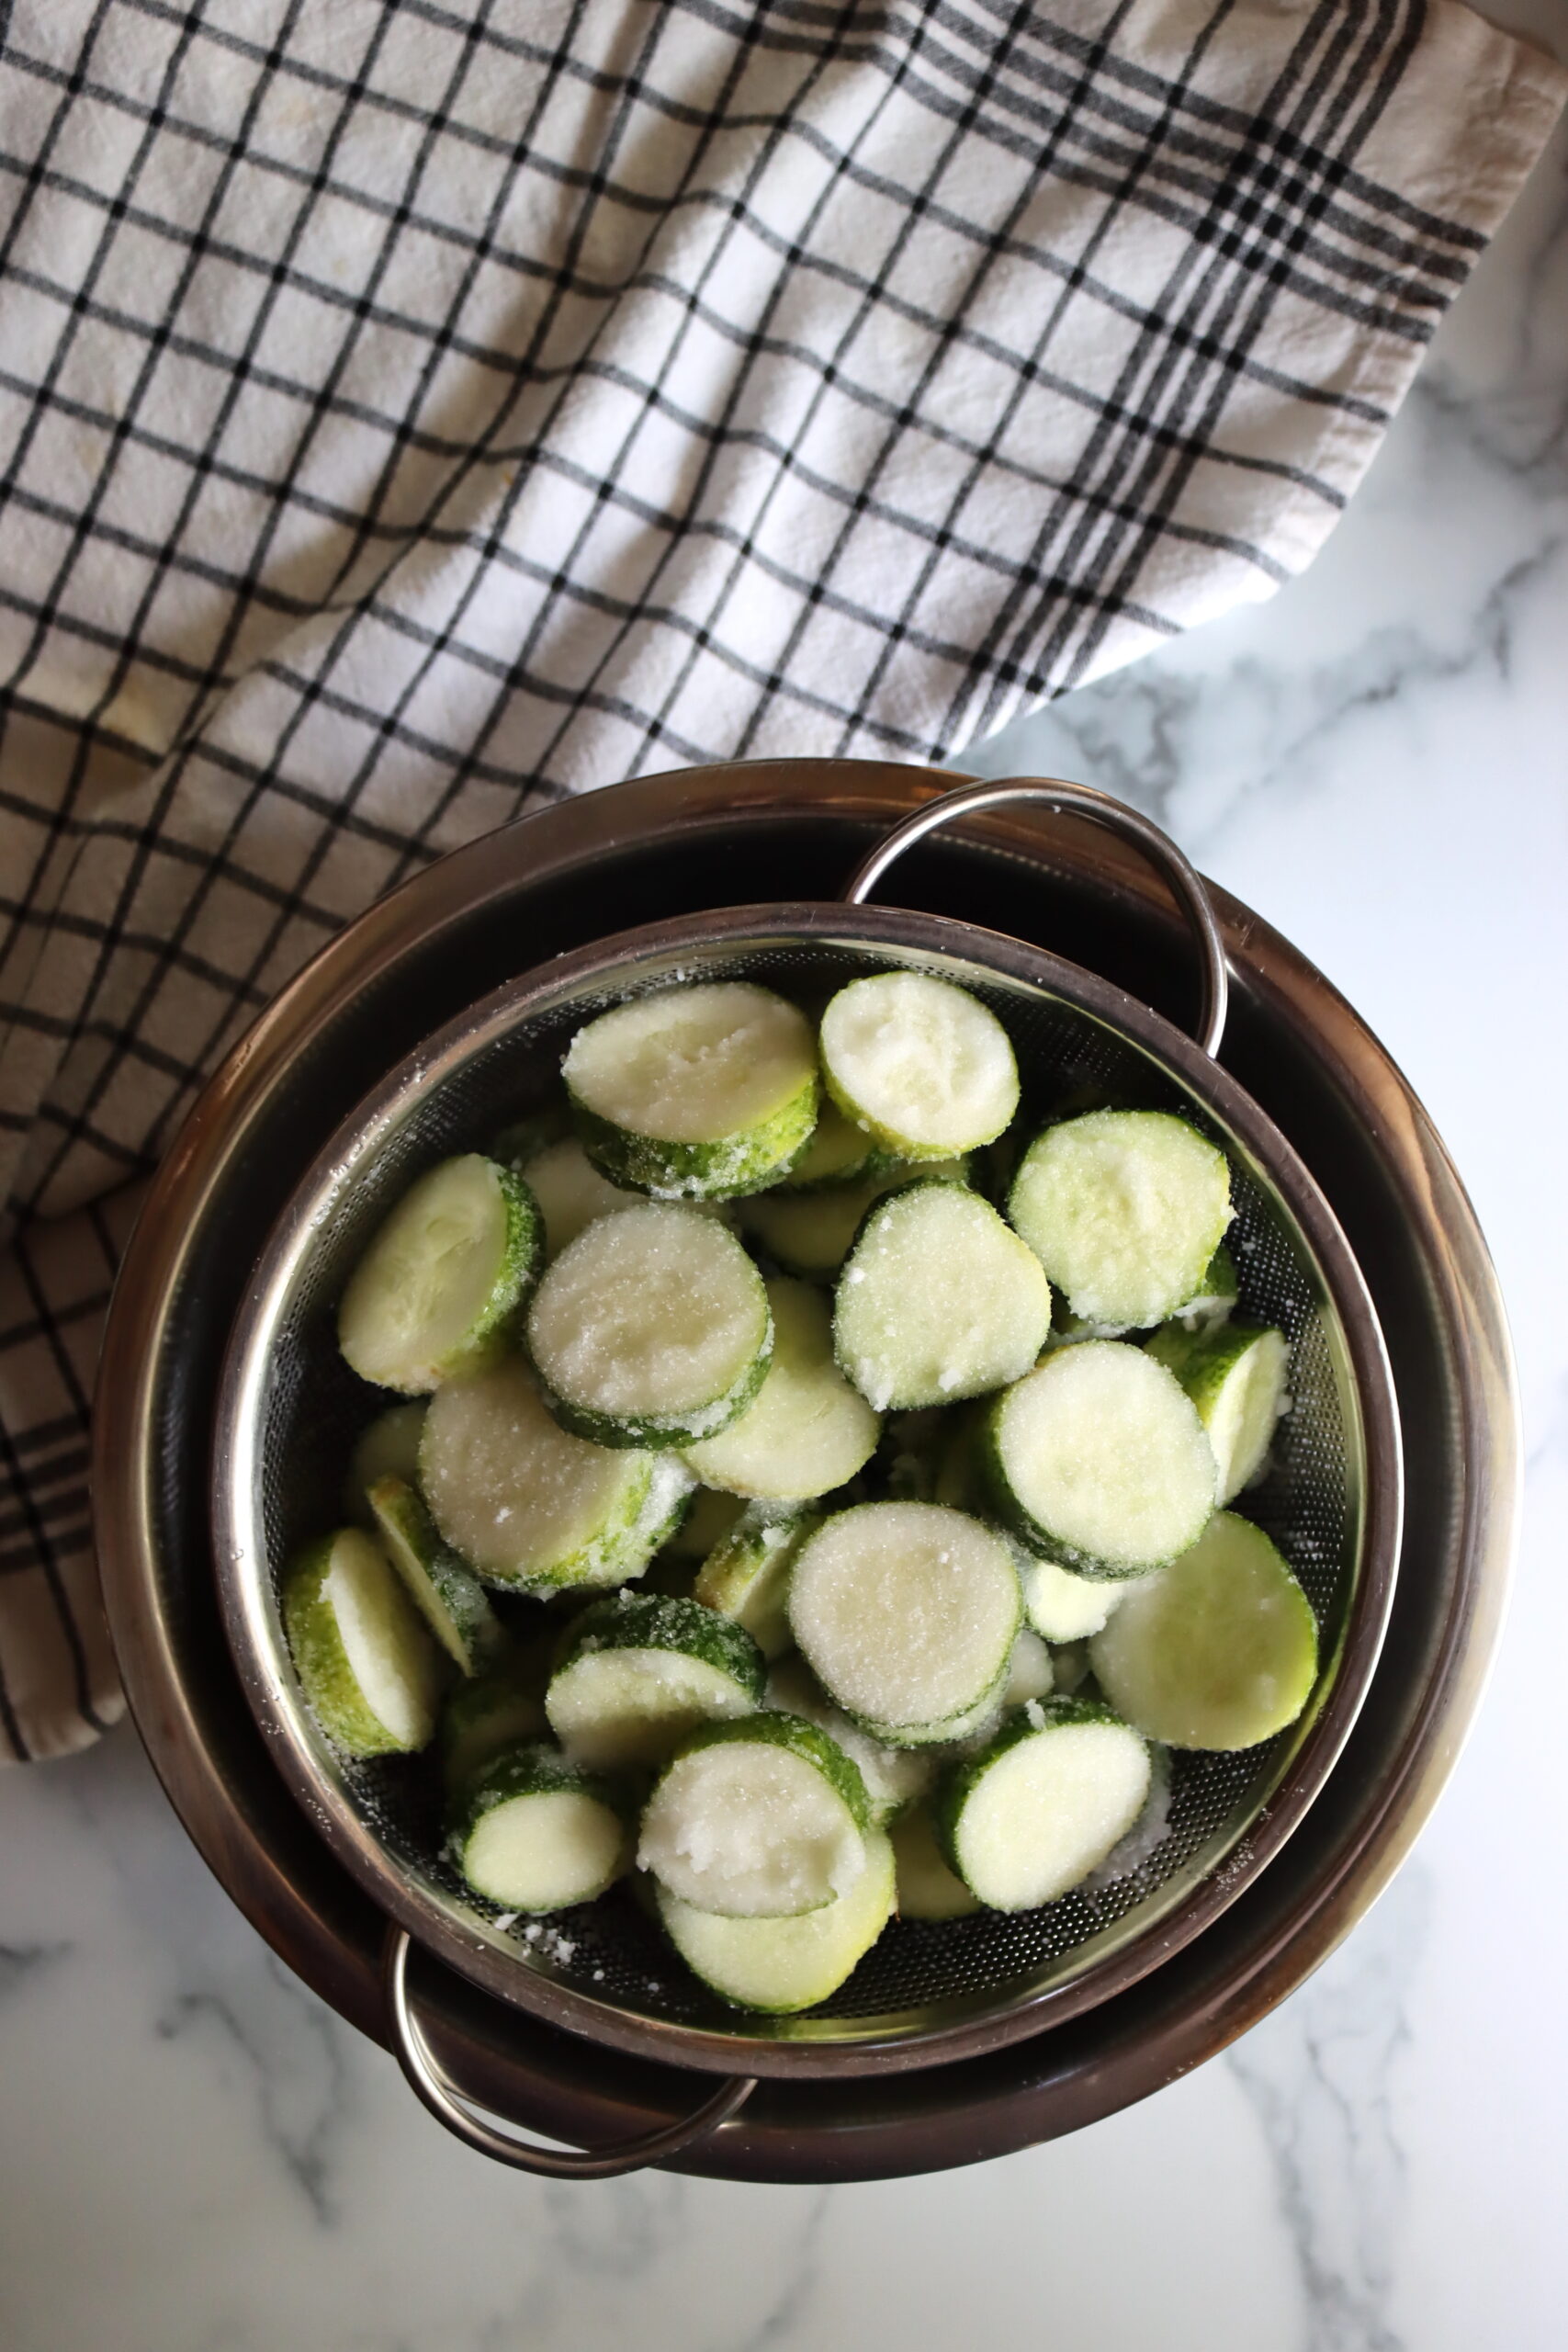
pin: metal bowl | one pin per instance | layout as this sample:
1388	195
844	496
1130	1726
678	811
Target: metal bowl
254	1130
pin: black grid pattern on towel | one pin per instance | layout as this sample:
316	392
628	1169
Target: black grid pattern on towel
411	411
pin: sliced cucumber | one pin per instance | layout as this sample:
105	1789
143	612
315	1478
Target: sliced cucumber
928	1889
652	1329
1097	1460
707	1521
388	1449
370	1672
526	1504
1236	1374
638	1672
503	1709
1062	1607
808	1430
757	1820
448	1596
746	1576
1029	1674
1062	1782
893	1777
1124	1210
921	1065
840	1153
780	1966
1219	1650
571	1192
905	1613
697	1092
434	1293
939	1300
812	1234
1214	1299
535	1833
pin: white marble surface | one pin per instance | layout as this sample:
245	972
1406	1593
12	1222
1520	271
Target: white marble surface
196	2157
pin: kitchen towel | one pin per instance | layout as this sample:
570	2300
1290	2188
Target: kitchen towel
413	409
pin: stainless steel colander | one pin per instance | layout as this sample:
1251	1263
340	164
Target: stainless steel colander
288	1410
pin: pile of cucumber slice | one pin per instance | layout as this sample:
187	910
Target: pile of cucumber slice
778	1510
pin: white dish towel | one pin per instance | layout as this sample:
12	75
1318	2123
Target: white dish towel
411	408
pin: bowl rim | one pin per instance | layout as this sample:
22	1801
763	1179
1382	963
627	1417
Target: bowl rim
765	2046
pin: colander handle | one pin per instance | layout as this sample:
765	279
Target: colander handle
1082	800
434	2091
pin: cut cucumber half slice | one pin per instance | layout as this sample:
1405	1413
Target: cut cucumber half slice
370	1672
893	1777
1059	1786
388	1449
757	1820
640	1672
524	1504
1062	1607
746	1576
780	1966
812	1234
448	1596
481	1719
1097	1460
652	1328
1124	1210
571	1192
939	1300
534	1833
1219	1650
436	1291
808	1430
905	1613
839	1154
928	1889
1214	1300
1236	1374
697	1092
708	1519
924	1068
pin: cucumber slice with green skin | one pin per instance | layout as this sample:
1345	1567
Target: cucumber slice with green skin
710	1515
1062	1607
928	1889
435	1293
939	1300
1060	1785
1236	1374
388	1449
1124	1210
571	1193
746	1576
808	1430
905	1613
840	1153
924	1068
638	1673
448	1596
501	1710
812	1234
695	1093
1097	1460
652	1328
1219	1650
370	1671
780	1966
528	1506
757	1820
535	1833
1214	1300
893	1777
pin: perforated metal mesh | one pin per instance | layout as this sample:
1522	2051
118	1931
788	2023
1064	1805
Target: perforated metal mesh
1309	1503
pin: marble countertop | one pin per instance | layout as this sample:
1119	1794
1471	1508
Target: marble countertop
200	2157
